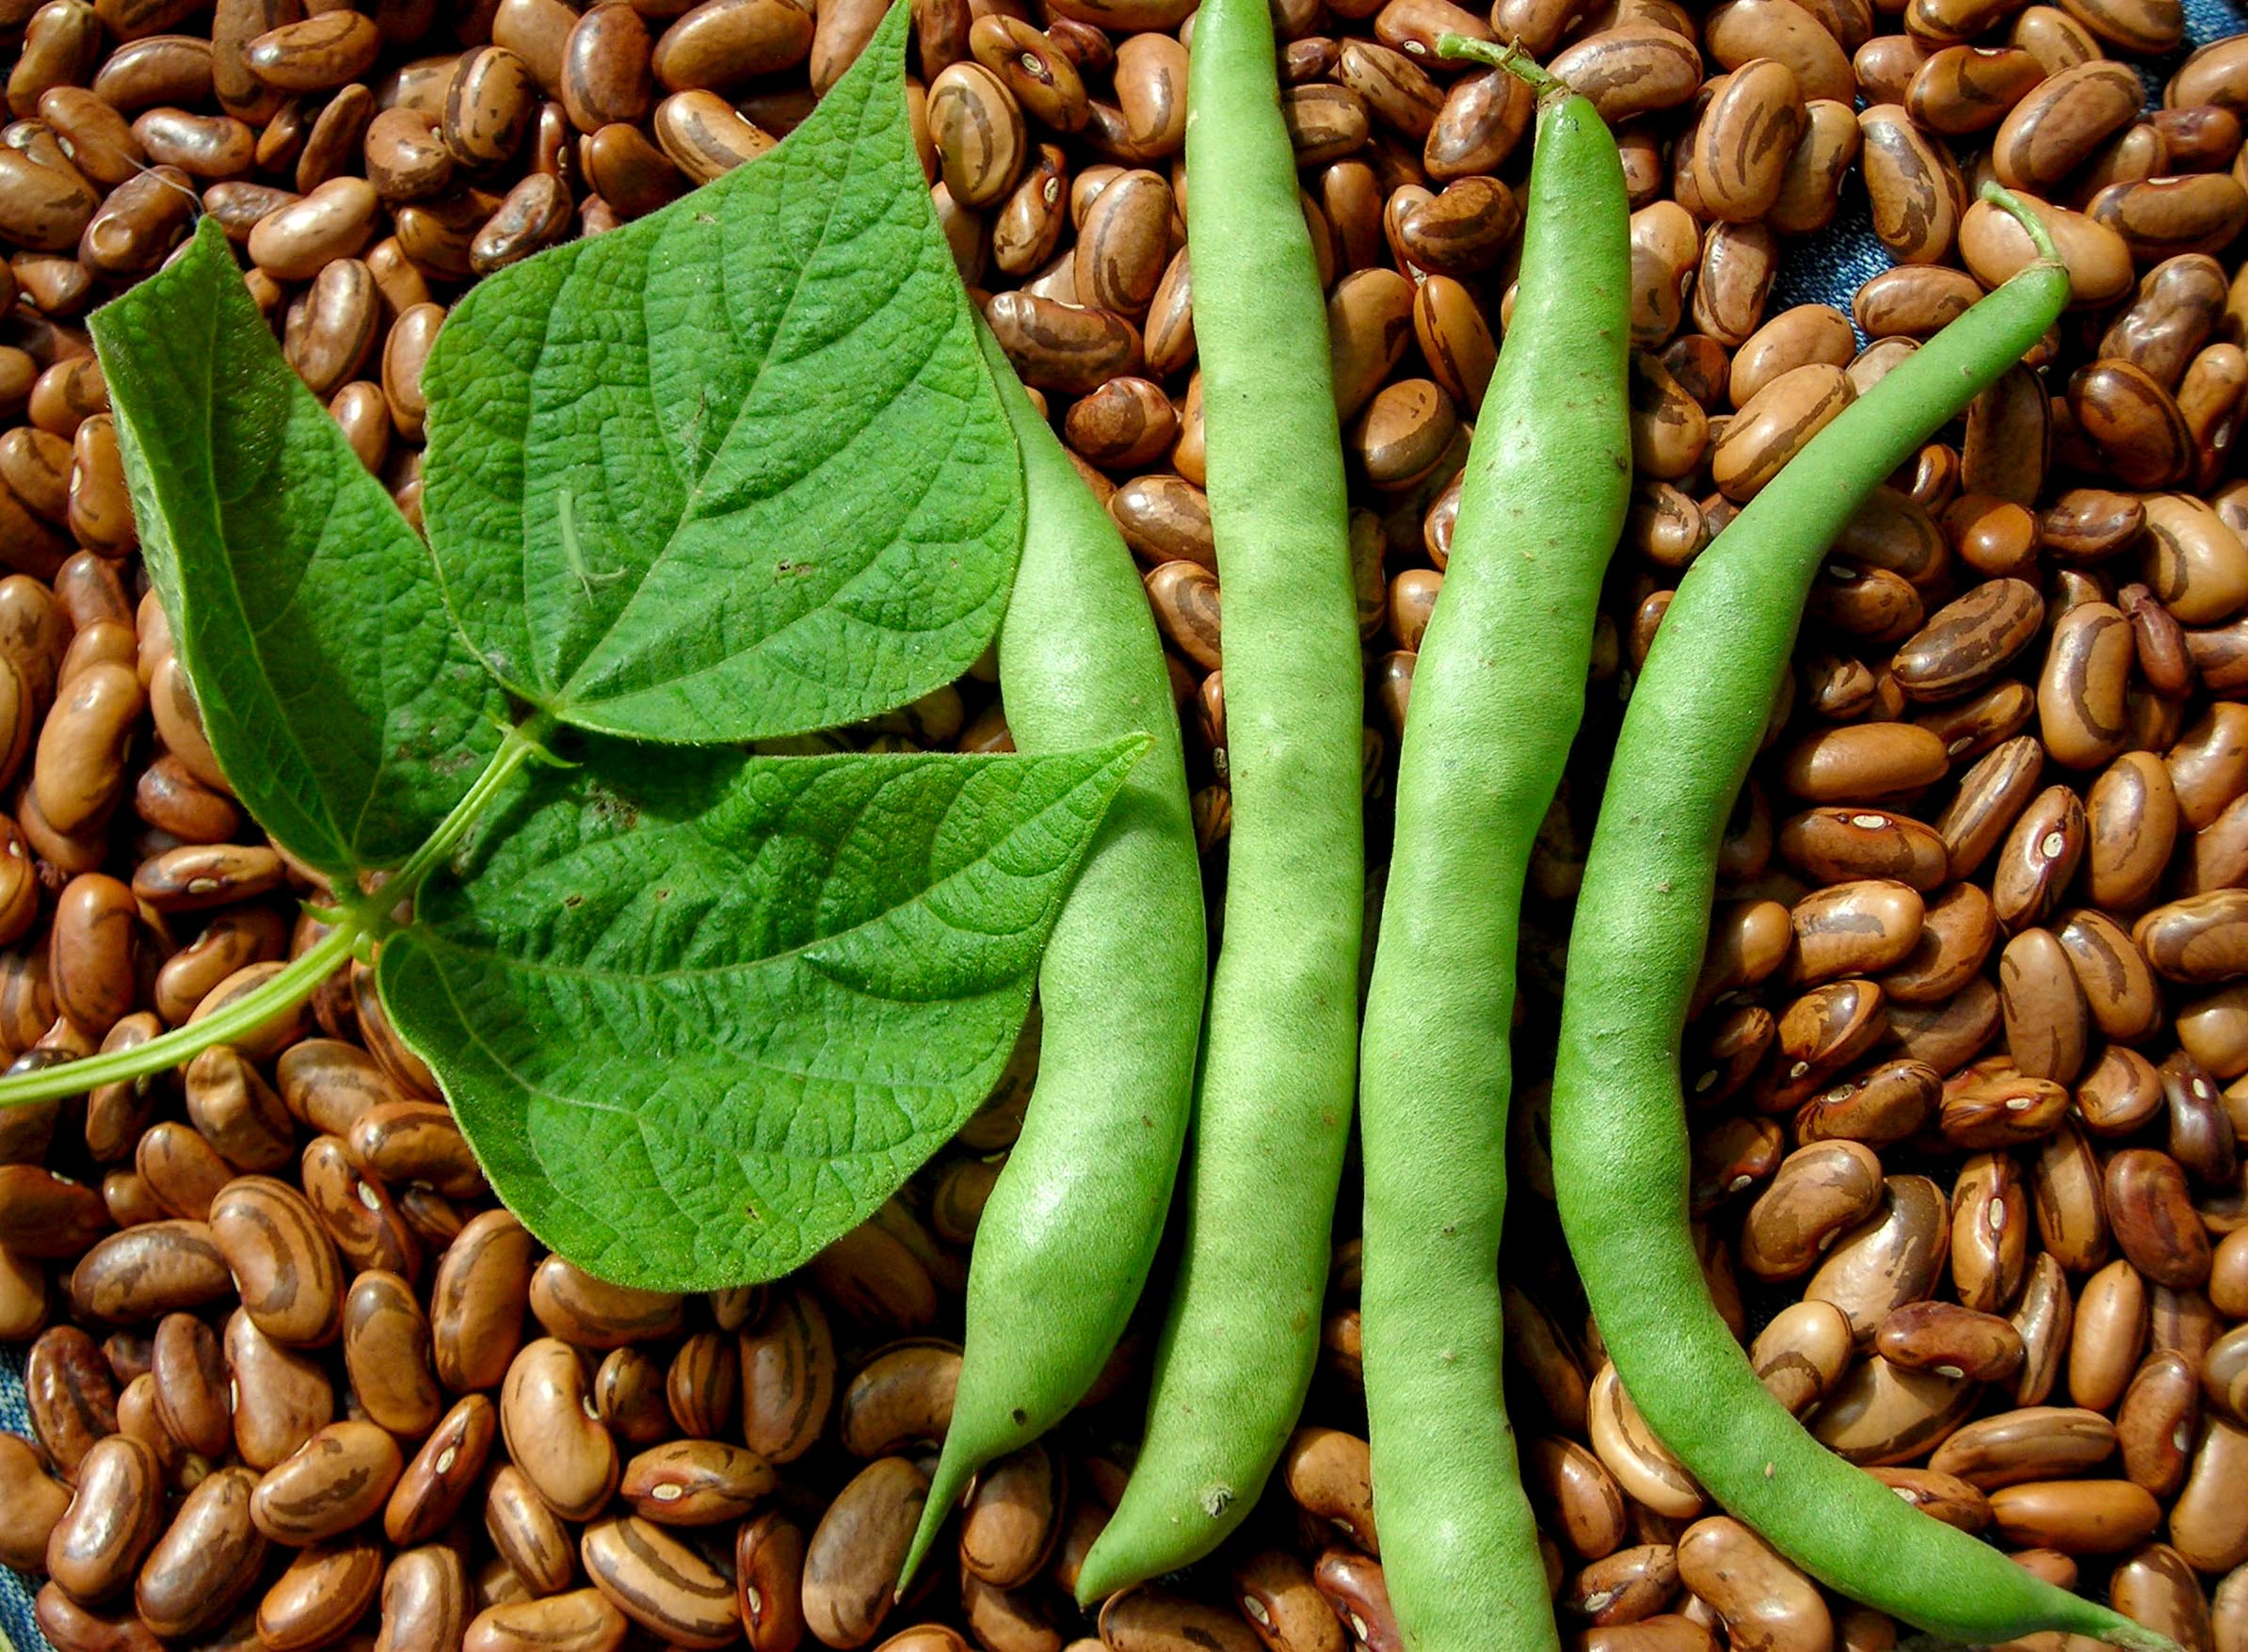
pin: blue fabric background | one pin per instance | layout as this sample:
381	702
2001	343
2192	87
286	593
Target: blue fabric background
1827	268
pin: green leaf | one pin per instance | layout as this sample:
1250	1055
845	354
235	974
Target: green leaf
344	708
736	470
698	1020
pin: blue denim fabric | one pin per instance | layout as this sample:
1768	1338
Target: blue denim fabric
1830	266
1828	269
17	1631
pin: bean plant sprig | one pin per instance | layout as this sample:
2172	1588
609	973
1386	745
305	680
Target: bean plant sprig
699	1011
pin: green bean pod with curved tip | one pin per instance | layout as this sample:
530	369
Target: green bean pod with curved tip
1071	1225
1497	694
1620	1141
1279	1061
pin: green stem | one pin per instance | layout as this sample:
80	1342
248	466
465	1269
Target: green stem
244	1015
357	920
1510	57
2017	209
523	742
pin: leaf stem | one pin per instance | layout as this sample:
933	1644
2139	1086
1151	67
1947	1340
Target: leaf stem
244	1015
355	923
523	742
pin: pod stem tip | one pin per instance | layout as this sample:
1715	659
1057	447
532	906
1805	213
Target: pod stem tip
2017	209
1510	57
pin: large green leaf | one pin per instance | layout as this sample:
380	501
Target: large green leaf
344	708
736	470
698	1020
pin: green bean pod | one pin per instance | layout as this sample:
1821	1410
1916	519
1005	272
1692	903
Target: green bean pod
1498	693
1073	1223
1279	1061
1620	1141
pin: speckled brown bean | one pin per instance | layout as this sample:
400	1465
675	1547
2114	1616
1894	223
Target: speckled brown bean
788	1376
695	1482
1746	135
1811	183
1122	244
295	242
1154	1619
2038	1442
2076	1516
1766	1604
593	1313
769	1582
477	1301
406	157
488	106
231	942
79	768
284	1263
1634	69
1061	347
2043	1318
208	1560
191	1384
901	1396
1916	190
195	875
2208	1522
46	1216
238	1112
322	1594
386	1349
333	331
1994	247
1775	424
1739	264
2058	123
2045	1017
179	1169
2039	857
1971	640
2151	1212
551	1432
435	1482
116	1514
2137	427
148	1271
605	73
2081	690
1990	1229
721	43
318	54
280	1398
1819	1192
2119	989
661	1583
853	1556
2107	1336
342	1476
1951	1341
1892	1258
426	1602
2064	1181
2156	1420
1124	425
2133	818
524	1531
1861	763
